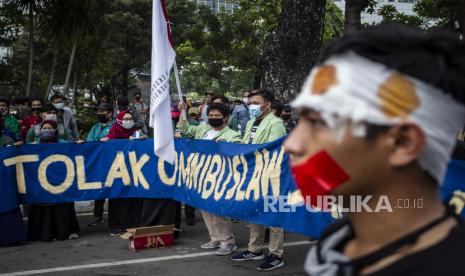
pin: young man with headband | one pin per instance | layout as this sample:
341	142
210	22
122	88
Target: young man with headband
379	117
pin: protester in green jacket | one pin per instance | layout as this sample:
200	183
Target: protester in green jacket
219	228
101	129
215	129
7	137
193	116
263	127
9	122
233	121
97	132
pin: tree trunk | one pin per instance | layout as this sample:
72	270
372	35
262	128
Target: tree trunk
353	20
73	100
70	64
124	85
31	51
293	49
52	74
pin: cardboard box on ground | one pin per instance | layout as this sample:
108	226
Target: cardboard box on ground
149	237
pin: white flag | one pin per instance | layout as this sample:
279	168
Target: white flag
163	56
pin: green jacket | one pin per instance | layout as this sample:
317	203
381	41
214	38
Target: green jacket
198	132
97	132
11	123
234	123
270	129
6	140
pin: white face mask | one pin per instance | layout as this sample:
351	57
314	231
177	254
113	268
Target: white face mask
127	124
245	100
59	106
51	117
255	111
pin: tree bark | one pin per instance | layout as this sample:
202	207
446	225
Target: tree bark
70	64
292	50
73	100
31	50
52	74
353	20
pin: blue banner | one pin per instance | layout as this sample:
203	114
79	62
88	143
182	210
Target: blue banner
234	180
228	179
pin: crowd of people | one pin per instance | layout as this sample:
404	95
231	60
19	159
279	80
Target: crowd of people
378	118
253	119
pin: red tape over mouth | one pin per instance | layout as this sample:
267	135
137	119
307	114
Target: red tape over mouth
318	176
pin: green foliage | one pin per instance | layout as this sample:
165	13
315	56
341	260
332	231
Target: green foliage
429	13
334	22
390	14
220	53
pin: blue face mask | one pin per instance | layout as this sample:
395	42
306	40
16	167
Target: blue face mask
255	111
47	134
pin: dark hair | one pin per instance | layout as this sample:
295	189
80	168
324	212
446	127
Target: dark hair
105	107
5	100
36	99
209	93
56	96
20	100
106	91
220	107
287	108
137	93
122	101
437	58
47	107
223	99
278	107
264	93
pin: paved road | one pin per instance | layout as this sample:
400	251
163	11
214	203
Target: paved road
98	253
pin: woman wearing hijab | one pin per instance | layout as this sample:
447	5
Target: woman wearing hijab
124	213
48	222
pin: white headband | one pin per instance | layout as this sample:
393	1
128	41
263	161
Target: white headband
362	91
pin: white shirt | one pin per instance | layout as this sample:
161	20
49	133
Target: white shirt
211	134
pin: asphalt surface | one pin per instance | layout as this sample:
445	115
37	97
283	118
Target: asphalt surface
98	253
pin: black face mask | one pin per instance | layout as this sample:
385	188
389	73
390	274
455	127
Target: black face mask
102	118
36	110
215	122
286	117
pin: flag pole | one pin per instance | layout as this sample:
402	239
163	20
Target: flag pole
178	85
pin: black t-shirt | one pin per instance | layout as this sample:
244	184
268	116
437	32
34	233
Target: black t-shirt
444	258
255	126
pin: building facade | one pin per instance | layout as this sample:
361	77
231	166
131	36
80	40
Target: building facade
403	6
217	5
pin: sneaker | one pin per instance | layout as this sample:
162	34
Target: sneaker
190	220
95	221
271	262
247	256
73	236
226	249
117	232
210	245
